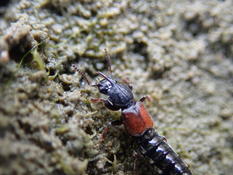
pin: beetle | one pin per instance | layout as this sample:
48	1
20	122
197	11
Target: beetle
139	124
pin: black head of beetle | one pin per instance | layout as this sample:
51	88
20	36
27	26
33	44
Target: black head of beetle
120	95
106	84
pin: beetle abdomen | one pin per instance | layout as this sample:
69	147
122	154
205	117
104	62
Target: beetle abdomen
156	148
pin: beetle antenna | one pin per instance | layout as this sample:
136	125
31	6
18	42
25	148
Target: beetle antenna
105	77
75	68
108	59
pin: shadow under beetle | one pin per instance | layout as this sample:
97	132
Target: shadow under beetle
139	124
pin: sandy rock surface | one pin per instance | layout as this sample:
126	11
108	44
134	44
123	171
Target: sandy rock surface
178	52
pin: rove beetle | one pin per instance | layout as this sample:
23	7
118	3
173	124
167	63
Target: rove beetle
139	124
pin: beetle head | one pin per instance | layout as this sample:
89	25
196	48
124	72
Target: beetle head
106	84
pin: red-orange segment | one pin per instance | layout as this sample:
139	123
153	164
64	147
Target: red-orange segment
136	119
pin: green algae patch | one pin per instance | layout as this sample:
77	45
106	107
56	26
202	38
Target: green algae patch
62	130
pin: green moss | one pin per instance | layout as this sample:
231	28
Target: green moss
38	60
62	130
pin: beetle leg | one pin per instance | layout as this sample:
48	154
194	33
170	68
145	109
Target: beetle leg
107	103
130	86
110	106
145	98
109	125
97	100
127	82
116	122
101	100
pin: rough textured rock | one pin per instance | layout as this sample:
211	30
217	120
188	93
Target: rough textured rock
178	52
